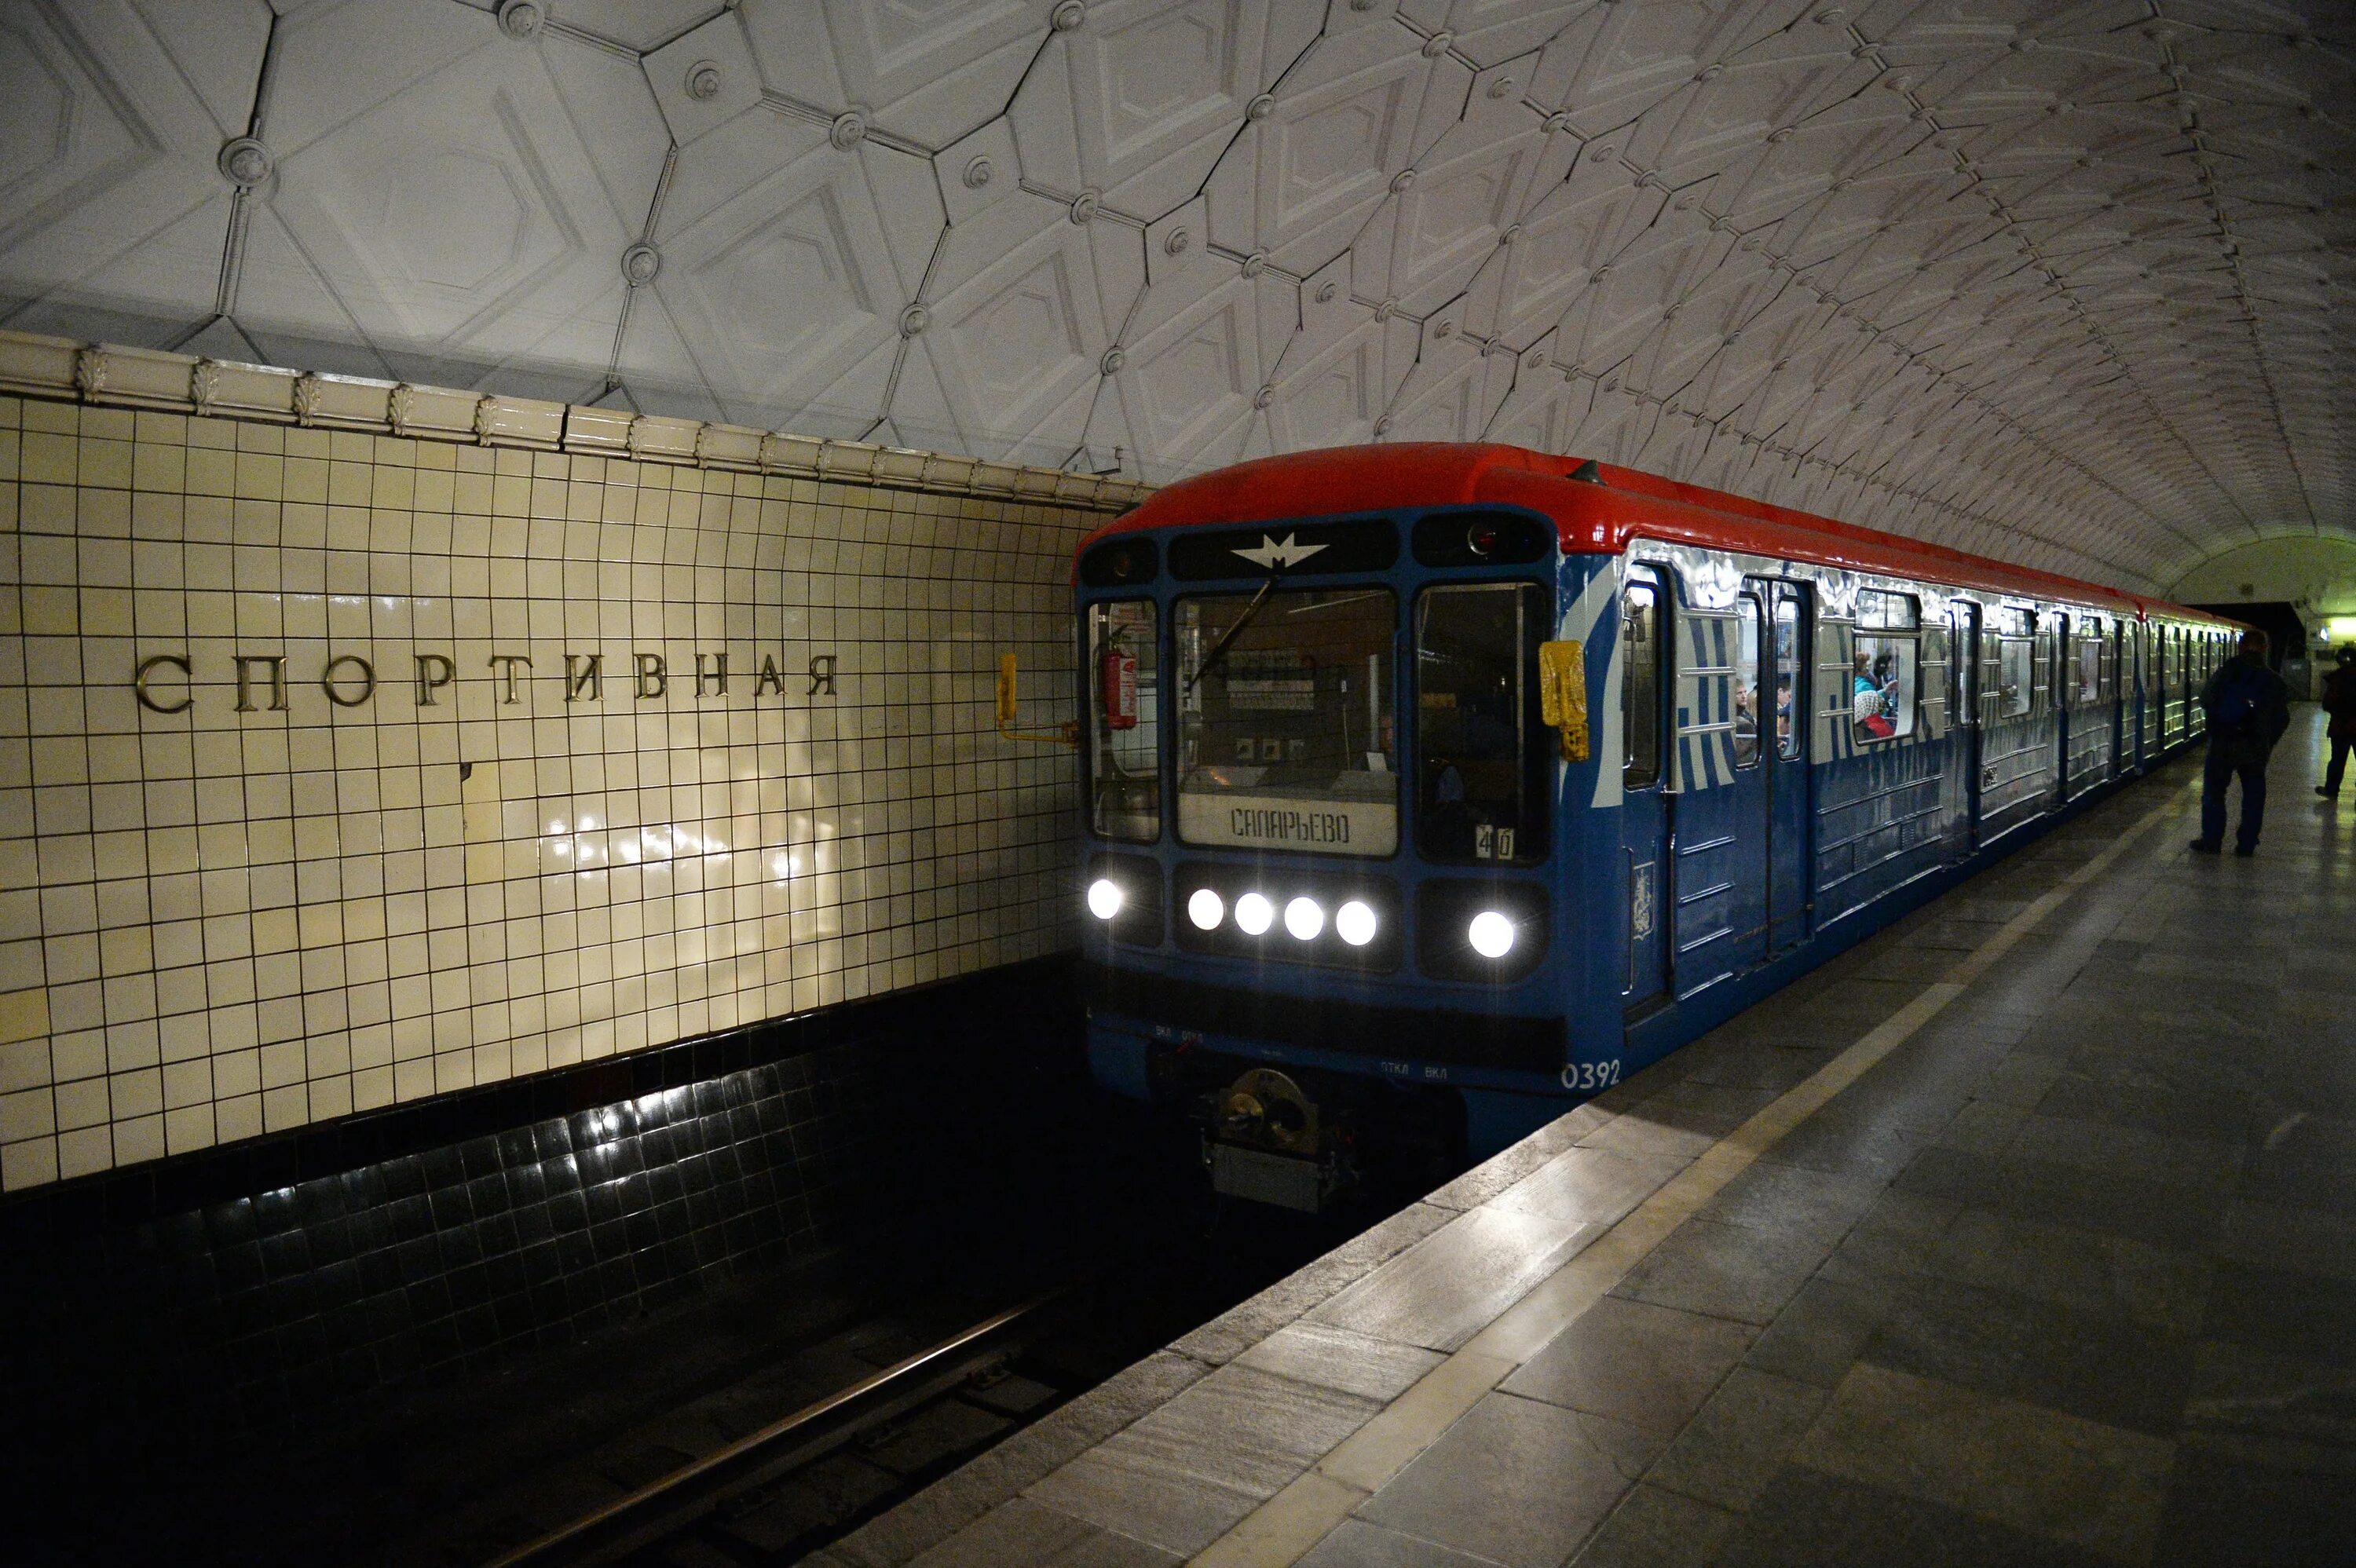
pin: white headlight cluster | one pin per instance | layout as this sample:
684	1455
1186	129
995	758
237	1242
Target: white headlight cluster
1490	933
1304	917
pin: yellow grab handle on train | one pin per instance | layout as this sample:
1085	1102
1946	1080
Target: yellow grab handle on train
1562	695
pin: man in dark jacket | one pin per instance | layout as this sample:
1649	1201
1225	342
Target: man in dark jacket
2248	706
2339	701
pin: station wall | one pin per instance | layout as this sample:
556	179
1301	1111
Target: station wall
2316	574
433	780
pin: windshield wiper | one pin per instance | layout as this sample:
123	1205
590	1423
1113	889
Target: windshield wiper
1220	648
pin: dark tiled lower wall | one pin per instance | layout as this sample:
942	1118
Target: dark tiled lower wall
276	1278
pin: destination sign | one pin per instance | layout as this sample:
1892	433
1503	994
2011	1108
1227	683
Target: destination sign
1276	822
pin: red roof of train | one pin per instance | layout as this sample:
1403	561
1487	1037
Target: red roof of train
1596	519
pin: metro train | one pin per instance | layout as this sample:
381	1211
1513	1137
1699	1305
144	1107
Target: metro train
1429	789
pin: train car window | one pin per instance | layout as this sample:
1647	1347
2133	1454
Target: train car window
1481	753
2016	662
1791	684
1642	640
1746	624
1885	674
2086	687
1286	736
1123	705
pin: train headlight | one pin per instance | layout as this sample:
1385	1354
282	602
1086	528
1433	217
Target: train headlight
1490	934
1304	918
1254	914
1206	909
1354	923
1104	898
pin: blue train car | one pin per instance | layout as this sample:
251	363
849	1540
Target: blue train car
1432	788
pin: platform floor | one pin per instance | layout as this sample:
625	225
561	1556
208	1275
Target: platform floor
2024	1233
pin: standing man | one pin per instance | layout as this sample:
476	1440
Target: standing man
2249	708
2339	701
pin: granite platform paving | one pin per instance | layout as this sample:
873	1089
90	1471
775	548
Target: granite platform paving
2022	1233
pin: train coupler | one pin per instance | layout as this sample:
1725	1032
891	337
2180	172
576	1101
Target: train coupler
1267	1142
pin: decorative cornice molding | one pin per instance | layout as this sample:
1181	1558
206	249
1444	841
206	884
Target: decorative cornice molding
104	376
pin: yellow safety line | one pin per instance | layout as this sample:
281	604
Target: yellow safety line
1283	1528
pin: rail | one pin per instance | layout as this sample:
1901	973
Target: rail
678	1500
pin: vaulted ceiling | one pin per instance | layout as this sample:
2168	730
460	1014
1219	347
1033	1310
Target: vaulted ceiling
2067	282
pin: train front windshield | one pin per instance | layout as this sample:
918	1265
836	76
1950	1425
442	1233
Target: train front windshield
1286	735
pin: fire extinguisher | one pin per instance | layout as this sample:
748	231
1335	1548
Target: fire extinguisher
1116	676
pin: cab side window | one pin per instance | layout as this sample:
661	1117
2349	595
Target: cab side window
1640	642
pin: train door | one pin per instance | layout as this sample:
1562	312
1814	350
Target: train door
1715	893
1643	803
2130	703
1963	649
2045	700
1745	818
1789	807
2171	676
2131	680
2060	680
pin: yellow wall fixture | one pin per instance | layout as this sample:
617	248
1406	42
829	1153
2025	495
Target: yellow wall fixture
1562	695
2342	628
1010	701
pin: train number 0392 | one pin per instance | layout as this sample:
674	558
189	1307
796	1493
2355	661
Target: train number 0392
1591	1074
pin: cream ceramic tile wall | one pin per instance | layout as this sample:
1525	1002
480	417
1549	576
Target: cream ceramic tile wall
216	923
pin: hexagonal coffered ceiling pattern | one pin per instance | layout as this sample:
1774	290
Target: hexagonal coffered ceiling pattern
2066	283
